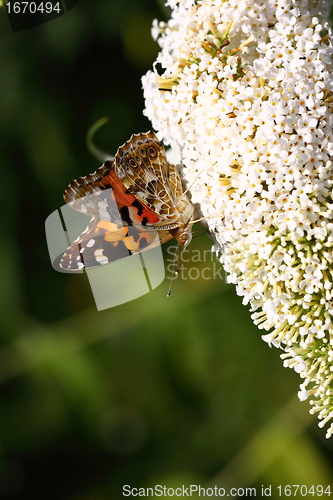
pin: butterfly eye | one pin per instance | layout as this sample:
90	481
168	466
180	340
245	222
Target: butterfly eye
132	162
152	152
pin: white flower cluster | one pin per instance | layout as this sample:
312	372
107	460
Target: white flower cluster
246	96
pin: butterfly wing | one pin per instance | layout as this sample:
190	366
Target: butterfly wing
128	197
145	187
142	167
104	196
84	194
104	242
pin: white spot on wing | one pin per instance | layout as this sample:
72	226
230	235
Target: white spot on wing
150	176
100	257
121	172
102	205
102	211
91	243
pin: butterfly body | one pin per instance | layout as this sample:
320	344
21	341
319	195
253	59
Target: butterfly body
135	201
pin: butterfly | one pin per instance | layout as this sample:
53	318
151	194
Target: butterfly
135	201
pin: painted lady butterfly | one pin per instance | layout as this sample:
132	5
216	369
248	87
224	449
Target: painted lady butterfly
130	198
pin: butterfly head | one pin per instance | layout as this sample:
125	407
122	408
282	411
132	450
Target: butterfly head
182	235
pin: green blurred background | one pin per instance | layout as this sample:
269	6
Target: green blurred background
156	391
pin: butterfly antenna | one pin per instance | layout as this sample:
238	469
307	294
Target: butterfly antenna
175	273
207	217
199	232
94	150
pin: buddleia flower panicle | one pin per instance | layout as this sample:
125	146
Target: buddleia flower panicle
245	95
